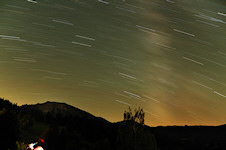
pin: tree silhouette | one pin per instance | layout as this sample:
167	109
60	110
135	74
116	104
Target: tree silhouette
132	134
135	118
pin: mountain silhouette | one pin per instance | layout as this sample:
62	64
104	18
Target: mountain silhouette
55	108
66	127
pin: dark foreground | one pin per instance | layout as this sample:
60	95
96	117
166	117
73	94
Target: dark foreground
64	127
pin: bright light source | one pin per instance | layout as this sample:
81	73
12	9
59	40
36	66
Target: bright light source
39	148
31	146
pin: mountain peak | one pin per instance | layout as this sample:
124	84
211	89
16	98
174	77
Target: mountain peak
59	108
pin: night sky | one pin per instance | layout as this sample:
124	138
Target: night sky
166	56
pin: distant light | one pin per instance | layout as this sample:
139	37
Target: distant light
42	140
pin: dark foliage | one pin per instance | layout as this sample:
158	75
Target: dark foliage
9	129
79	133
132	134
136	116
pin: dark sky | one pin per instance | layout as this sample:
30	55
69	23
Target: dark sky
169	57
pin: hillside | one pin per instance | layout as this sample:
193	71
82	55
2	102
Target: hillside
66	127
171	137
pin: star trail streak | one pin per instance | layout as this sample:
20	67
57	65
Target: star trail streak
168	57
